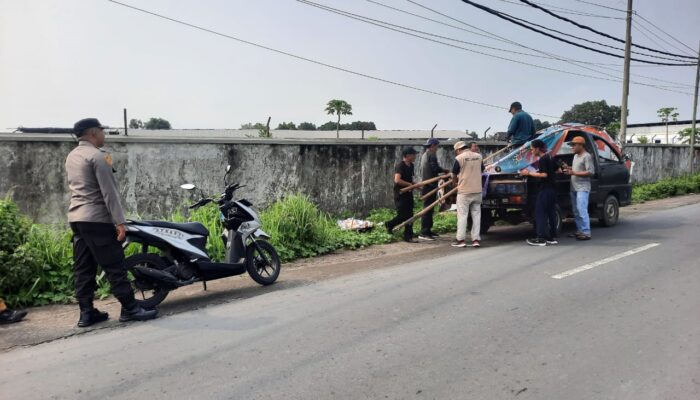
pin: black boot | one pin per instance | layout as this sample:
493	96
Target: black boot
137	313
89	315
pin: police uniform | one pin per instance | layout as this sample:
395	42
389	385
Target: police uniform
93	213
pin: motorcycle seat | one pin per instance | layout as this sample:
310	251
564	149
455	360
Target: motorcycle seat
194	228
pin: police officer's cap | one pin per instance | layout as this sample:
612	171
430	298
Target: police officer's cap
83	125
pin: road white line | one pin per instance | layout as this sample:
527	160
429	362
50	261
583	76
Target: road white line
604	261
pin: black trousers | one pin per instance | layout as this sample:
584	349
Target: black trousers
546	214
426	221
404	211
96	243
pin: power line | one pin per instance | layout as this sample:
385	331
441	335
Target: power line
526	26
666	33
641	26
298	57
566	10
601	6
599	32
392	27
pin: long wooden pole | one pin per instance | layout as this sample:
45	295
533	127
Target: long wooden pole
626	77
424	211
423	183
432	192
695	110
497	153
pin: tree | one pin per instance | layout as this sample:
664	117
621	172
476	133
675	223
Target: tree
287	126
135	124
597	113
665	113
257	125
338	107
359	126
306	126
539	125
157	123
328	126
643	140
685	135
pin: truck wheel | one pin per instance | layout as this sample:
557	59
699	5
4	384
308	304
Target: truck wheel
610	212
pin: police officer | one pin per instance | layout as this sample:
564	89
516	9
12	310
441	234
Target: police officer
97	220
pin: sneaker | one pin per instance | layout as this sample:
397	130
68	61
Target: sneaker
536	242
11	316
434	235
476	243
459	243
552	242
426	237
583	237
411	240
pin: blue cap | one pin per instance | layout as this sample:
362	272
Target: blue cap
431	142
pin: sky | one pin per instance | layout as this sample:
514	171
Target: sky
61	61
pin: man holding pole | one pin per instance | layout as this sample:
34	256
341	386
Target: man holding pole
403	177
429	169
466	174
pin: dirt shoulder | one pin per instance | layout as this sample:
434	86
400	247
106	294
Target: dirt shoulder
48	323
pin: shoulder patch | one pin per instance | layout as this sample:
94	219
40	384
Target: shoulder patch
108	159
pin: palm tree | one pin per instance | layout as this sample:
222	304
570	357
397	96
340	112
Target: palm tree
664	113
338	107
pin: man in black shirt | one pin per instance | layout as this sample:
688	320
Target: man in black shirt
429	169
546	204
403	177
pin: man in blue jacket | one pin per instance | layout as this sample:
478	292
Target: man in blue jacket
522	127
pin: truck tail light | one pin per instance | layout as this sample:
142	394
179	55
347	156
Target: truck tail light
516	199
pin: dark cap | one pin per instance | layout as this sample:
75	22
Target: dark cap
516	105
431	142
84	124
408	150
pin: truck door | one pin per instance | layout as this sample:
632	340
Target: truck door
613	175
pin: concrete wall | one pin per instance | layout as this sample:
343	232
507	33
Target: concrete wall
658	161
339	176
349	176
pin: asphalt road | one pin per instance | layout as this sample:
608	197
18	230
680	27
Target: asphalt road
622	321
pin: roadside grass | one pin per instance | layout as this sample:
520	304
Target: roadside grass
665	188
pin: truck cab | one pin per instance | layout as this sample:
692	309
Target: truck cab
511	197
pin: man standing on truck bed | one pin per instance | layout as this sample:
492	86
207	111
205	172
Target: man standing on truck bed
466	174
546	204
429	168
521	128
581	171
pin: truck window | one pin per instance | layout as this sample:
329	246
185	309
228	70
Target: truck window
605	152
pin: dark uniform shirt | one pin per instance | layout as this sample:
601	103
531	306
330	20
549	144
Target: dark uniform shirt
548	166
94	194
406	172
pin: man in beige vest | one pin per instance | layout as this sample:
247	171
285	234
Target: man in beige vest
466	174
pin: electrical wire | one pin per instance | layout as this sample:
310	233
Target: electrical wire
394	27
601	6
298	57
666	33
566	10
598	32
642	28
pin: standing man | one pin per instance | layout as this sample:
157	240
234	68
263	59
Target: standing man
581	171
474	147
429	169
97	220
403	177
546	204
466	174
521	128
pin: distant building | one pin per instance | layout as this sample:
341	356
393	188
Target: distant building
655	132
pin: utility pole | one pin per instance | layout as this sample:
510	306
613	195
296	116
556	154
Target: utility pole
626	78
695	112
126	127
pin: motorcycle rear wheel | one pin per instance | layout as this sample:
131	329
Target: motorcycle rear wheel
146	295
263	267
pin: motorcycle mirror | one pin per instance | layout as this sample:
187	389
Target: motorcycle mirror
187	186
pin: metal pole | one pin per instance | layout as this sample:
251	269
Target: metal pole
126	127
695	112
626	79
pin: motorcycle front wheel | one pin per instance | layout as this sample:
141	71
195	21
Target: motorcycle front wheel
262	262
146	294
